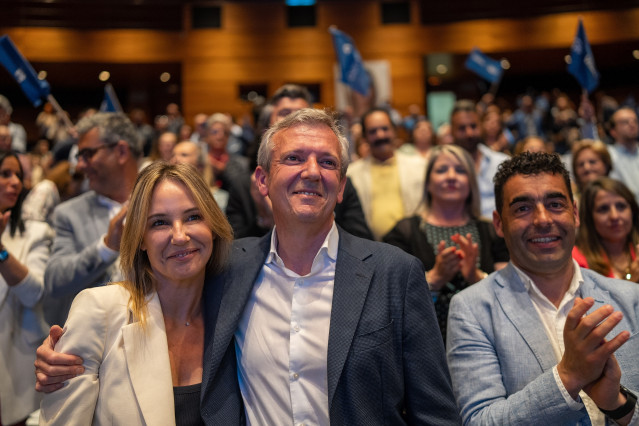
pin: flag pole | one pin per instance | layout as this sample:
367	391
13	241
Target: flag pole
62	115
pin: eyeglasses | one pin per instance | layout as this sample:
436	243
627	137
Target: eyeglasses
87	153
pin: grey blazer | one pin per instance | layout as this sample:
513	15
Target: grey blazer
75	263
385	354
500	358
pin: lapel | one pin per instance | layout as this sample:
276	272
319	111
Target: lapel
147	360
225	308
515	302
353	275
594	286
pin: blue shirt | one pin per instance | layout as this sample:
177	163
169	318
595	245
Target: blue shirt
487	169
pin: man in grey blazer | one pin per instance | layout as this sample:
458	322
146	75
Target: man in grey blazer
88	227
543	341
309	324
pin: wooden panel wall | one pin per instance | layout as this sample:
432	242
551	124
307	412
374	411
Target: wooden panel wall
254	45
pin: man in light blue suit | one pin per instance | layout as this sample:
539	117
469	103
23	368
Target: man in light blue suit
543	341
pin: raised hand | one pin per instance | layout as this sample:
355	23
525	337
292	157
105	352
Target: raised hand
468	251
586	350
114	234
447	264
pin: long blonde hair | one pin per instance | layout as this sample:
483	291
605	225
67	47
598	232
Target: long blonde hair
134	262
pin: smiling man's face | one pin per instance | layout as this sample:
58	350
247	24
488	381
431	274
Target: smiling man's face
304	182
538	222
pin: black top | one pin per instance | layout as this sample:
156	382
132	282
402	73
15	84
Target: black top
410	235
187	405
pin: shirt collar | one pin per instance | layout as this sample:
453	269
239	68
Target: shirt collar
106	201
390	162
329	247
575	283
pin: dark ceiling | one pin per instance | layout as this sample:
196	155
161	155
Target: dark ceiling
168	14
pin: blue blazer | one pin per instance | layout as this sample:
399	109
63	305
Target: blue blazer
386	361
501	360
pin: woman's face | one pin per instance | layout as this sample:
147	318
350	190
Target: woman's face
177	240
10	183
166	143
612	216
448	180
423	135
589	166
217	137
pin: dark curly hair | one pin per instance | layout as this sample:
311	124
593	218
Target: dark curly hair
528	163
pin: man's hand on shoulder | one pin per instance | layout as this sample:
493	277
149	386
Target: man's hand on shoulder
53	368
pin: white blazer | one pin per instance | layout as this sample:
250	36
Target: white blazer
22	326
127	377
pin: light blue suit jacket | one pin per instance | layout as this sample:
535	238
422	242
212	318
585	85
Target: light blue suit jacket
501	360
75	263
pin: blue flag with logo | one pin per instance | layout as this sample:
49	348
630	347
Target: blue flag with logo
110	103
486	67
582	64
34	88
350	62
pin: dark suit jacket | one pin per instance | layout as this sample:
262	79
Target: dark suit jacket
385	353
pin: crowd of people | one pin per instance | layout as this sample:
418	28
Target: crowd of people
216	273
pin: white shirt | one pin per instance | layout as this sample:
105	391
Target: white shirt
553	320
282	340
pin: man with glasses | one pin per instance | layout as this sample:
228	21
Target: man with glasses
89	227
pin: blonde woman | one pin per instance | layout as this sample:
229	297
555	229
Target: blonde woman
142	340
455	246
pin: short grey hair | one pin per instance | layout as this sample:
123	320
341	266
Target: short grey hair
223	119
6	105
307	117
112	128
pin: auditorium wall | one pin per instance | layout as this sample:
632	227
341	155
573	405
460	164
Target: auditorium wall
254	46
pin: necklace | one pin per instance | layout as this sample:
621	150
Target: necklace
624	271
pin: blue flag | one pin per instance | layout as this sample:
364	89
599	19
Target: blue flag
350	62
34	88
486	67
110	103
582	64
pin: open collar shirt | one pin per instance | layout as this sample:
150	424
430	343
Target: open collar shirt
554	320
282	340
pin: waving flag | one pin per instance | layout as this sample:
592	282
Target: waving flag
351	65
486	67
582	64
34	88
110	103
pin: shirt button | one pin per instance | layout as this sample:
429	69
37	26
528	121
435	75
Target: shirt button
296	328
299	281
296	376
